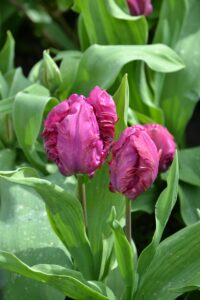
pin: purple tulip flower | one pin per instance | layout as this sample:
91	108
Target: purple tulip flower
164	142
140	7
79	132
134	164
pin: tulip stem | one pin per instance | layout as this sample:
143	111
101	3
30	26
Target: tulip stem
128	220
82	199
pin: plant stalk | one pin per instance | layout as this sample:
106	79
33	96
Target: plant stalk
128	220
82	199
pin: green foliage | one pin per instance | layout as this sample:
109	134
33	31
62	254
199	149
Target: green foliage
69	282
26	232
97	59
65	217
178	28
29	107
174	268
151	66
124	256
163	209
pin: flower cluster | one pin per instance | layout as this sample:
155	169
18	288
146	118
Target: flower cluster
79	133
138	155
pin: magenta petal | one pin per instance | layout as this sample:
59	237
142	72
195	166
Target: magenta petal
134	164
105	112
50	132
164	142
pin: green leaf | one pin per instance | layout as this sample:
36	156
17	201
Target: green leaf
141	96
28	110
118	27
100	65
124	255
164	206
3	87
65	215
25	231
16	82
7	54
190	166
121	98
174	268
82	33
67	281
146	201
176	30
116	283
99	204
6	126
68	70
189	196
7	159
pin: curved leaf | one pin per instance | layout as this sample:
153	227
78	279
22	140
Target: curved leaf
28	110
65	215
100	65
174	268
164	206
67	281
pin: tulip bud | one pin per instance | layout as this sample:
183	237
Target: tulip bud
72	135
49	73
164	142
134	165
140	7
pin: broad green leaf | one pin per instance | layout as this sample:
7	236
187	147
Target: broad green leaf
141	96
25	231
28	110
6	106
100	65
68	70
107	24
121	98
99	204
175	91
67	281
124	255
190	165
7	159
141	118
189	196
174	268
16	82
7	54
146	201
164	206
116	283
65	214
82	33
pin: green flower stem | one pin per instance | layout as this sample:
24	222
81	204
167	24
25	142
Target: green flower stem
128	220
82	199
